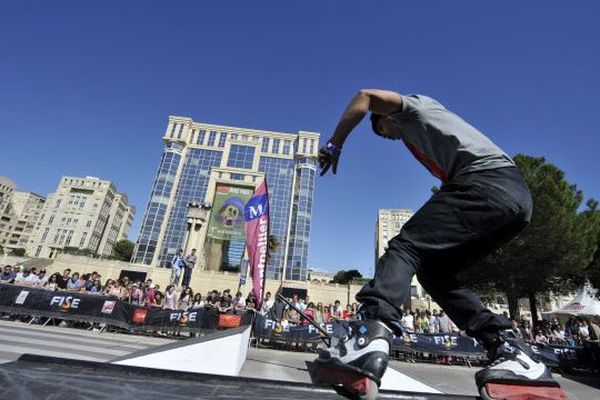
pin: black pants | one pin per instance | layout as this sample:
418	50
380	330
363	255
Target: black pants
187	275
465	220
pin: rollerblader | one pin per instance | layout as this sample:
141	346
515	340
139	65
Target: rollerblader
482	203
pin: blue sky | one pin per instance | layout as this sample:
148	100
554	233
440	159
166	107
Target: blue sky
86	89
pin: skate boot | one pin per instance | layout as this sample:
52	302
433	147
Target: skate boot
516	373
354	364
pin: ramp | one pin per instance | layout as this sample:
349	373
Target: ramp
221	353
49	377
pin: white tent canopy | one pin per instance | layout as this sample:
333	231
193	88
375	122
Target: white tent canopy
585	303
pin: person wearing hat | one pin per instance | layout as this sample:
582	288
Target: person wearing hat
482	203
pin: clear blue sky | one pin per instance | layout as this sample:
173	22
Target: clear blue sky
86	88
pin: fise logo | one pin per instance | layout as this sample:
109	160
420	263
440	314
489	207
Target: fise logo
65	302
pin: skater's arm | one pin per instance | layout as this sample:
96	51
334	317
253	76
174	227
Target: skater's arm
382	102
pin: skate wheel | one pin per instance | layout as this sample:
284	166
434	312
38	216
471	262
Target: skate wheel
369	390
497	391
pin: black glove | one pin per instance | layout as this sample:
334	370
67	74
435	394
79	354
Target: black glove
329	156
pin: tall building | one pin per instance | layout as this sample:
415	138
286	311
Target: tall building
205	175
389	224
86	213
19	215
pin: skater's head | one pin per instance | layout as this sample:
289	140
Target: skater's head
384	126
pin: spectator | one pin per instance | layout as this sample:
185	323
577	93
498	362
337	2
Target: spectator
42	278
8	275
96	287
198	302
434	322
22	277
63	279
250	302
319	314
593	329
584	332
136	295
190	263
515	329
572	326
266	304
559	334
540	338
214	300
52	283
186	299
407	321
226	303
32	278
336	310
239	303
159	300
276	311
19	274
177	264
422	324
310	312
347	313
170	298
293	316
83	280
150	294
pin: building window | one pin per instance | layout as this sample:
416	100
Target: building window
212	137
83	237
286	147
201	135
237	177
234	136
265	145
304	145
222	139
241	156
51	220
173	129
45	234
180	131
245	137
312	146
276	145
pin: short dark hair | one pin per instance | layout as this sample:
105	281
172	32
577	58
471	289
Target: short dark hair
374	120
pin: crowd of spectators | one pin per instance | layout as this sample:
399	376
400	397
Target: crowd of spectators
573	333
144	293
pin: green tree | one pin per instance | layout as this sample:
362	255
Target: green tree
552	252
123	250
343	277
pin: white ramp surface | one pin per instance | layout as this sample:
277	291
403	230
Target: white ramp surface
222	353
394	380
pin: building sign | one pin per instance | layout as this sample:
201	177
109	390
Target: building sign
227	216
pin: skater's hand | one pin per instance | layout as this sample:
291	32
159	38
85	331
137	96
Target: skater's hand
329	156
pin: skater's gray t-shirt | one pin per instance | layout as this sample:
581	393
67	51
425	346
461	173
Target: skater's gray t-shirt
444	142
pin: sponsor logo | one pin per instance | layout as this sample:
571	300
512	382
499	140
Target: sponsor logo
139	316
108	307
65	302
20	300
576	306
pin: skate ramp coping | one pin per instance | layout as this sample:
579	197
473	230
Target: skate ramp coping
219	353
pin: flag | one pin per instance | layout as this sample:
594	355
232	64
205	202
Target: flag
256	214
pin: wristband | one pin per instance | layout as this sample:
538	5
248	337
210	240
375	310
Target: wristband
333	149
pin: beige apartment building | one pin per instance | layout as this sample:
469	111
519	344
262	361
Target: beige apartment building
87	213
19	215
389	224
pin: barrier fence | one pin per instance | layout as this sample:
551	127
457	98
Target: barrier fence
79	306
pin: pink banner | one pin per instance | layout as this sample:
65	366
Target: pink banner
257	238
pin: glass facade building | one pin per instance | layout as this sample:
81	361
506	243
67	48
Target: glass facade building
196	158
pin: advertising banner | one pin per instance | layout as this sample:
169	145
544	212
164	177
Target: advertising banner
89	307
227	216
257	238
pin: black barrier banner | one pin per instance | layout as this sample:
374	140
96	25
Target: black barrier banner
433	344
439	344
79	306
268	328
